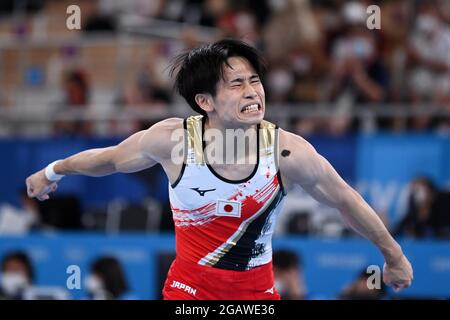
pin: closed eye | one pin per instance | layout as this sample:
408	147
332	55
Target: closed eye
236	83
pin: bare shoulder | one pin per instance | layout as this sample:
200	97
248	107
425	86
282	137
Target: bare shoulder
169	124
160	139
298	159
290	143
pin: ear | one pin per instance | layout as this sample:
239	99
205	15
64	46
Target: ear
204	101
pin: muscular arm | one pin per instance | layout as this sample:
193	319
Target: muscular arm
125	157
308	169
138	152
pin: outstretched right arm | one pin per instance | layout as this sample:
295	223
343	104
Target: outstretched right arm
140	151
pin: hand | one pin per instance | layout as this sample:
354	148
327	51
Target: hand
38	186
399	274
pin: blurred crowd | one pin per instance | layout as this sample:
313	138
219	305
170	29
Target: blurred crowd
425	215
318	53
106	280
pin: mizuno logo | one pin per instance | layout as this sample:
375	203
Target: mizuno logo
202	192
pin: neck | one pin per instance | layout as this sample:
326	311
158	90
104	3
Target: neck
238	143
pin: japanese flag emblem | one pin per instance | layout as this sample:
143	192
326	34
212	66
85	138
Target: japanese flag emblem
227	208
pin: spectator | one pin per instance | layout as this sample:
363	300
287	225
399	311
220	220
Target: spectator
107	280
76	97
145	92
359	290
21	219
419	221
76	88
96	19
429	43
292	23
17	275
288	275
427	213
358	68
430	65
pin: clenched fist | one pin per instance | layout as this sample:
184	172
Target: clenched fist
399	274
38	186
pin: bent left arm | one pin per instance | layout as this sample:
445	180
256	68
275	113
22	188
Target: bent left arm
308	169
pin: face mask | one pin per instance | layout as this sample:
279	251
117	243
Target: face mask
13	282
281	288
426	23
362	48
278	5
93	284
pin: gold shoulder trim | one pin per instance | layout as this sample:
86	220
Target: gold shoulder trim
194	132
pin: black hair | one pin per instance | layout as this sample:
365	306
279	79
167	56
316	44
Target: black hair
78	77
23	258
428	182
200	69
110	271
286	259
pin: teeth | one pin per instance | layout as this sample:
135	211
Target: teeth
250	108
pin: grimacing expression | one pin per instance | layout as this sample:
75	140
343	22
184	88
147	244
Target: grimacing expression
240	97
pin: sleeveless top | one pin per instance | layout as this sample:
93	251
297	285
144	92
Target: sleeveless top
223	223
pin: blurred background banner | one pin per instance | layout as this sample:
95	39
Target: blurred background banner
387	163
327	266
374	102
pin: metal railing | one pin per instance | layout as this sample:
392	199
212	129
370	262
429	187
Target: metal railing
16	118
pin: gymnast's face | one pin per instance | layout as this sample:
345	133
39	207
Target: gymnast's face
240	97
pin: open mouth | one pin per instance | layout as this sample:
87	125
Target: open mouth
255	107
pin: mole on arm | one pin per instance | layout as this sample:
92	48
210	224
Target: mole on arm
285	153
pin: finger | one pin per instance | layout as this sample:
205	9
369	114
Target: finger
30	190
399	286
47	190
43	197
406	284
28	187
